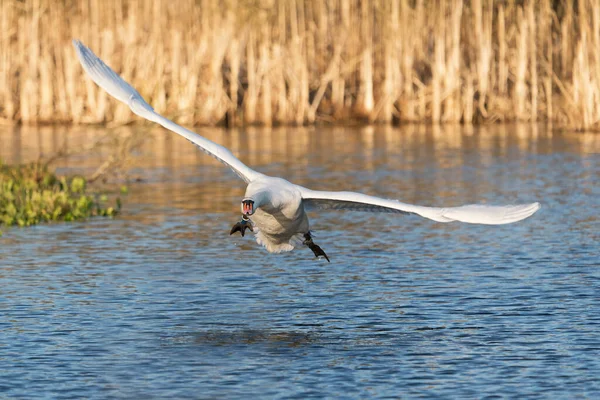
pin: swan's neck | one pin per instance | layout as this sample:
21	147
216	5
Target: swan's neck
261	199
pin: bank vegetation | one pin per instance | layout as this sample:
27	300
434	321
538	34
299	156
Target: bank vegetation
31	194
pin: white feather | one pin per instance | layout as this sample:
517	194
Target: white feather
474	214
108	79
279	219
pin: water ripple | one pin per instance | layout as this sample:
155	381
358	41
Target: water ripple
162	303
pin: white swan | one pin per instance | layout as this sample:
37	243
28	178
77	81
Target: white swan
273	208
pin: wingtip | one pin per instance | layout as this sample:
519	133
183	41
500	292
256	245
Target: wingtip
82	53
109	80
533	208
78	45
525	211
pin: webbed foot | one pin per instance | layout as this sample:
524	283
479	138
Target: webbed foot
242	226
315	248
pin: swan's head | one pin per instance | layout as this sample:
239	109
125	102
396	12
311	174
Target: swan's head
248	207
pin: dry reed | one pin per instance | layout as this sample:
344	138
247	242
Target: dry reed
304	61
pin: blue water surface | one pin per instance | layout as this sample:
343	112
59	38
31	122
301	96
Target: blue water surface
161	302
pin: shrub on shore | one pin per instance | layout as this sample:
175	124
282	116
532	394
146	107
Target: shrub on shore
32	194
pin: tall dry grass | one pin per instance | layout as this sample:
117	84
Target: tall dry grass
304	61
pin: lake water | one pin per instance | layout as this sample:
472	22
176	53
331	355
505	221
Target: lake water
161	302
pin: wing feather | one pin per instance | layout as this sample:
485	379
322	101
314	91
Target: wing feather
116	86
474	213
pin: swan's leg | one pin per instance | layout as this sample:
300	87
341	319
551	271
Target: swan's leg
315	249
242	226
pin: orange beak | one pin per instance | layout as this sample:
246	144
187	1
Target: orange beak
247	207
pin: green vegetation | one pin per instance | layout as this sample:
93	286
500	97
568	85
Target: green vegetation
31	194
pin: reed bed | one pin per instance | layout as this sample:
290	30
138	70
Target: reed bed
306	61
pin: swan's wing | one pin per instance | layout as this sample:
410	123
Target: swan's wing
108	80
474	214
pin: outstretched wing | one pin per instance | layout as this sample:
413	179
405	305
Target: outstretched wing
108	80
474	214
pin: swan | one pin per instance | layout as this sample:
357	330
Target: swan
275	209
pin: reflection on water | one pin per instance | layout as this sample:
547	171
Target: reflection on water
248	336
162	302
294	146
455	160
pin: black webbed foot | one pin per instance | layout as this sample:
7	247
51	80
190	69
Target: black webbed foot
315	248
242	226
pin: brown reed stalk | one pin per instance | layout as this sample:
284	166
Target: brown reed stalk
520	91
265	116
438	68
533	73
340	15
483	35
452	79
251	95
391	82
409	43
366	102
502	45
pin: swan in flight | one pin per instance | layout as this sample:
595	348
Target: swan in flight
275	209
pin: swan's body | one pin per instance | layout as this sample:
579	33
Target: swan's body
275	207
279	217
